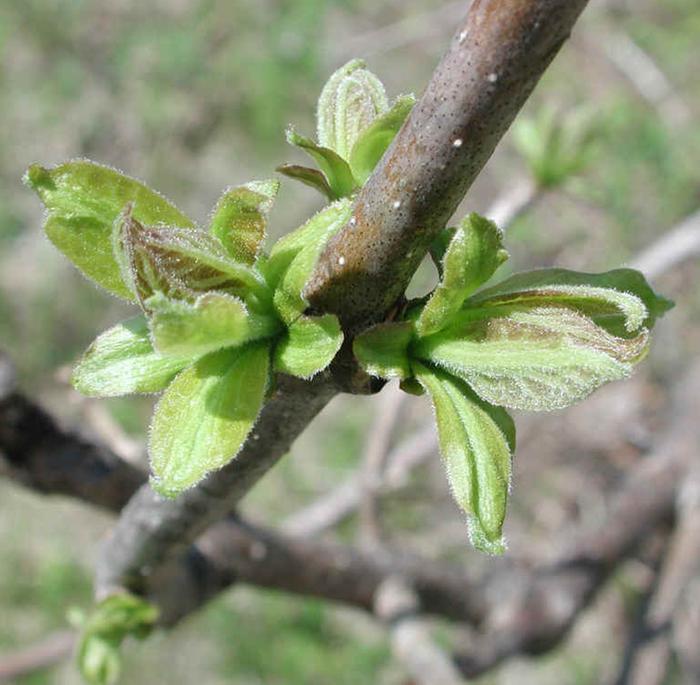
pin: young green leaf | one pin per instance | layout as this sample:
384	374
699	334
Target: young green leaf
473	254
476	443
122	361
538	359
293	259
372	142
115	618
351	99
621	301
213	321
326	221
382	350
309	345
83	199
179	263
240	219
205	415
334	167
308	176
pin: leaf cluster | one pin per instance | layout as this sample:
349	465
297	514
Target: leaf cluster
219	316
102	632
539	340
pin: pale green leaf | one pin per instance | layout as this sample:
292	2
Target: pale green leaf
112	620
351	99
334	167
372	142
310	177
239	219
122	361
309	345
205	416
473	254
476	443
295	257
382	350
99	661
213	321
179	263
83	199
620	300
534	358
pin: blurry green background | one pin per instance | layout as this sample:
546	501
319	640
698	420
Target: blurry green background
194	95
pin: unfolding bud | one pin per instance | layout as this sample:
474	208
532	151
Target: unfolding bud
355	126
351	99
474	252
179	263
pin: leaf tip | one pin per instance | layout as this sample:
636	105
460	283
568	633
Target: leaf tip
38	178
493	545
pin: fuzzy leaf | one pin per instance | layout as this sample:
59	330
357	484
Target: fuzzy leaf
240	219
372	142
309	346
310	177
351	99
538	359
83	199
473	254
215	320
122	361
178	262
334	167
295	257
382	350
621	301
113	619
205	415
476	443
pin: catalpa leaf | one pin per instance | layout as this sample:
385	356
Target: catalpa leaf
205	415
350	101
83	199
383	349
213	321
177	262
334	167
476	443
122	361
308	176
297	254
620	300
473	254
239	219
538	359
372	142
309	345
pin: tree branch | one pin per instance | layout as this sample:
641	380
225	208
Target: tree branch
151	528
491	67
494	61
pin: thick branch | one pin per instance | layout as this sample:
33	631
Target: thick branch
494	61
